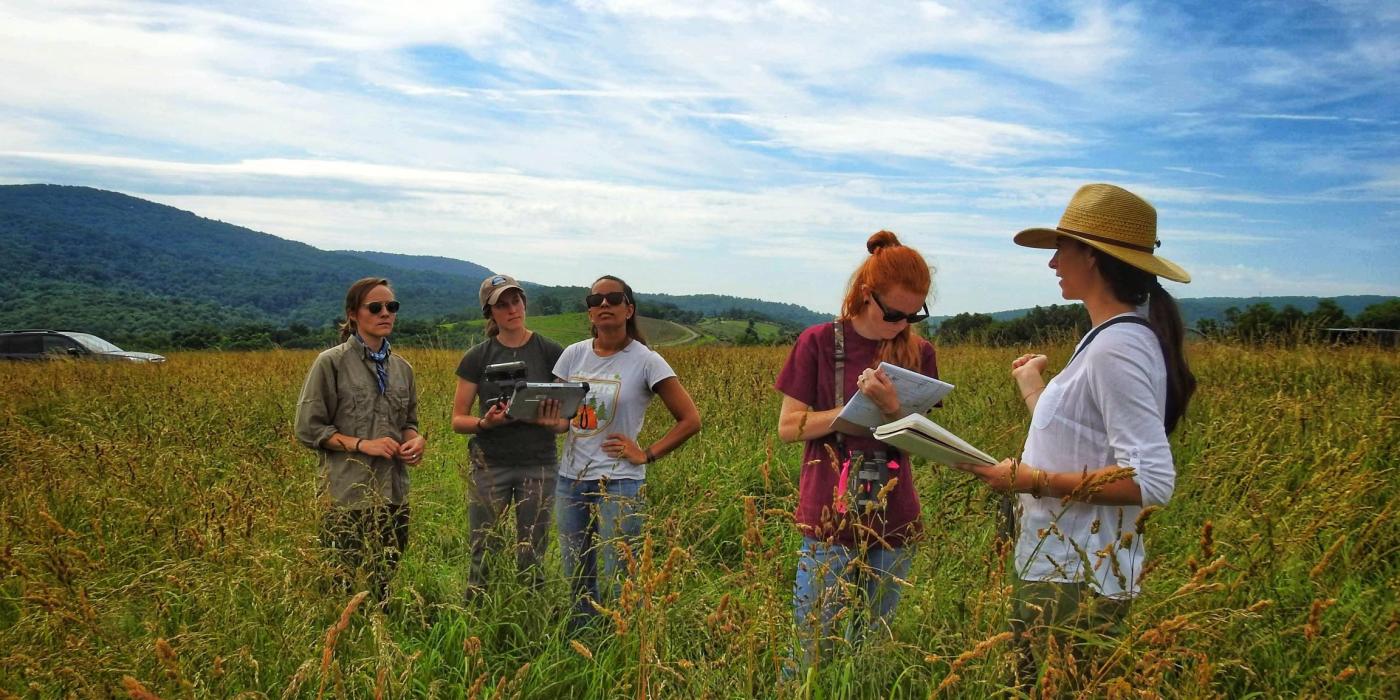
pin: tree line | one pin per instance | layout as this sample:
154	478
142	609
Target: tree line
1262	323
1256	324
450	331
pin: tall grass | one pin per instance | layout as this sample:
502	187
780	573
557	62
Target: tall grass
159	536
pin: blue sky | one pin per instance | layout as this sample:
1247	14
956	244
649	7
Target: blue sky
746	148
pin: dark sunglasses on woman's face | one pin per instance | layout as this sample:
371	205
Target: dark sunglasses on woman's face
897	316
613	298
376	306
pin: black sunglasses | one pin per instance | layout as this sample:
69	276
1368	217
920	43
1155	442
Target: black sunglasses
897	316
376	306
614	298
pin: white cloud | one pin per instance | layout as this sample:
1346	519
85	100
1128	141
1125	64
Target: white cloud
764	140
1213	279
1193	171
953	139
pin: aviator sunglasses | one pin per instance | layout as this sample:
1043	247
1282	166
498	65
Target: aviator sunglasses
897	316
376	306
613	298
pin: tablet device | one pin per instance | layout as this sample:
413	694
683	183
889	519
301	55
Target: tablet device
525	403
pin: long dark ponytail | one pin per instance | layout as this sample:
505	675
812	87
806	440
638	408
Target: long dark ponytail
1133	286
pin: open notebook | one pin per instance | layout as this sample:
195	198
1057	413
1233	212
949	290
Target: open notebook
917	435
917	394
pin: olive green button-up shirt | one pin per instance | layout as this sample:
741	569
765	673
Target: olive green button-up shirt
341	395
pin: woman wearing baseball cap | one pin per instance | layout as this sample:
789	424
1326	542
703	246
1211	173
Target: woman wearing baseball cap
1097	452
512	461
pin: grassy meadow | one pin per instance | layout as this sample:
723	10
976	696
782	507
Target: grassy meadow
573	327
159	538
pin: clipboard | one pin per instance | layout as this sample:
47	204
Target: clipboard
525	402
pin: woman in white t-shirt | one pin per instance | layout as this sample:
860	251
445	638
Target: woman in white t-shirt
1099	428
597	496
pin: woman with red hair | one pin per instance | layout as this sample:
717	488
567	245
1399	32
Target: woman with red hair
847	544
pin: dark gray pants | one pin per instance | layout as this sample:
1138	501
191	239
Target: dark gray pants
365	544
493	491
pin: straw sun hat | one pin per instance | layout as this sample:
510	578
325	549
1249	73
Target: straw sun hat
1115	221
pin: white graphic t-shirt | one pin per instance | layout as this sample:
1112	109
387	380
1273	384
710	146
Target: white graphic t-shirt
620	387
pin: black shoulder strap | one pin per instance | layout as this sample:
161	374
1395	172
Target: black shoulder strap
1110	322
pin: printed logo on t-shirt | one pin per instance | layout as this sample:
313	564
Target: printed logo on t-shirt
598	408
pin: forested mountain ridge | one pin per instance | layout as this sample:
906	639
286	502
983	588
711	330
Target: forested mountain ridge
128	269
122	267
104	245
427	263
703	305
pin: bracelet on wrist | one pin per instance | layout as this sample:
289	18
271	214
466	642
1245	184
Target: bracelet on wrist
357	444
1040	479
651	456
1031	393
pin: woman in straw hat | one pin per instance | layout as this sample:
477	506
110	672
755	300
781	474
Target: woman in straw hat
1097	450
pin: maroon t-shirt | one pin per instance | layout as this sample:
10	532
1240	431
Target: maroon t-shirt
809	376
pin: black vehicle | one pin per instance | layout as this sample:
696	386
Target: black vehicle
48	345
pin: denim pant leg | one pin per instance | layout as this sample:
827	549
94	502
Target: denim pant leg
573	513
882	592
620	508
817	594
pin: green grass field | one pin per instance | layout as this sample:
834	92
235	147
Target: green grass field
573	327
159	532
731	331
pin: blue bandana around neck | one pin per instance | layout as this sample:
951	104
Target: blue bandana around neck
380	372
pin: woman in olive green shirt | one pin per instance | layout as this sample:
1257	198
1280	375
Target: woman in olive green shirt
359	411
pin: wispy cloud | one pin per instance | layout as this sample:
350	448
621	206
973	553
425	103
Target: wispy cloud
1192	171
952	139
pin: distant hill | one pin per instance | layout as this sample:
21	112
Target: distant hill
718	304
123	267
425	263
702	304
1196	309
105	248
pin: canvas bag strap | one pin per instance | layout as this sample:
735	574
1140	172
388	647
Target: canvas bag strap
1110	322
840	380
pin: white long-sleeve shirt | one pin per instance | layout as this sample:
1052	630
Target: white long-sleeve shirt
1104	409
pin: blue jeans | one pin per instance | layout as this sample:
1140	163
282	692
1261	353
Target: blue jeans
595	515
831	577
